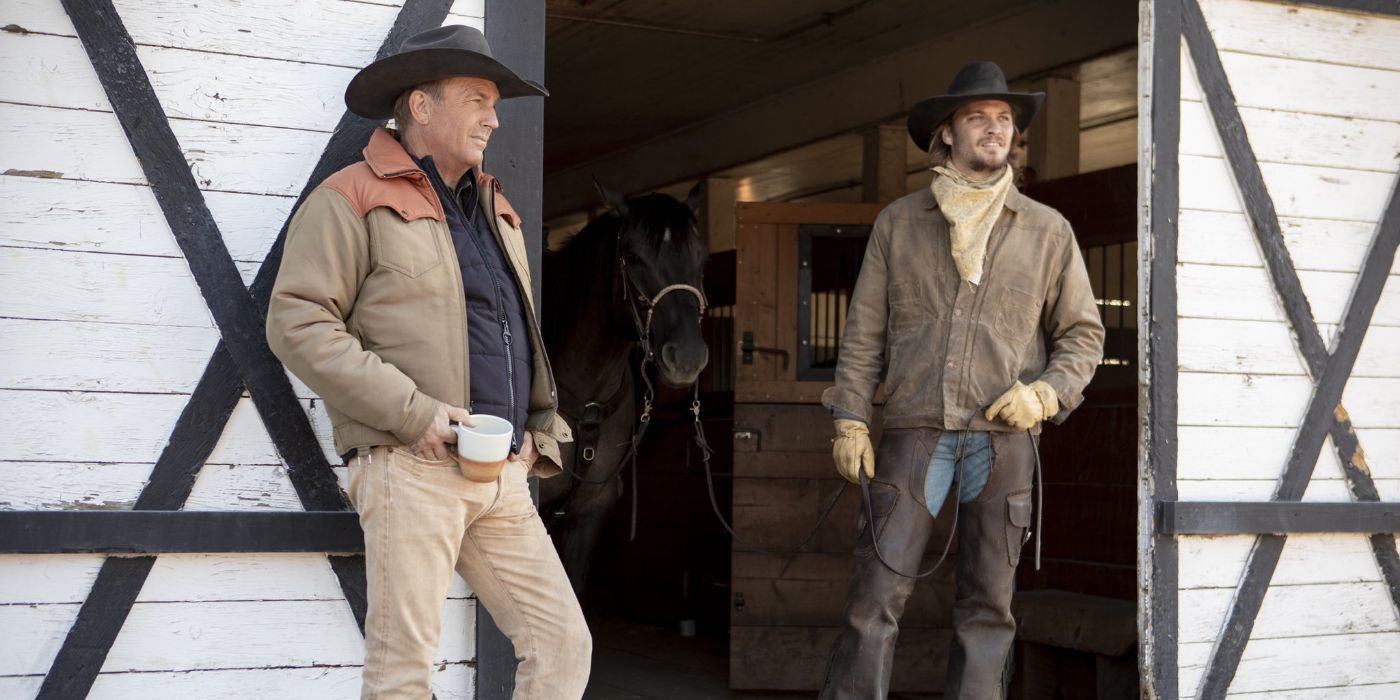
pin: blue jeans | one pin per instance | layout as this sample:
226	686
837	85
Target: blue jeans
966	454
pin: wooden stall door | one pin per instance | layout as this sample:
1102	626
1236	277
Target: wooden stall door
786	609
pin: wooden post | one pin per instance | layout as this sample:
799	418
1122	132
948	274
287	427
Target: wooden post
882	164
1054	134
717	213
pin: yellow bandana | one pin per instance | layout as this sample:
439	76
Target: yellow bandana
972	209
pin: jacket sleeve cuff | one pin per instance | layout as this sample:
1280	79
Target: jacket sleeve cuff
547	444
421	409
844	403
1069	399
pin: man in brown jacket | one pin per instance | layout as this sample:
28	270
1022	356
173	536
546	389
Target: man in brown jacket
404	301
974	307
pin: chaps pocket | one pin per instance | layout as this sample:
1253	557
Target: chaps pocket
1018	522
883	498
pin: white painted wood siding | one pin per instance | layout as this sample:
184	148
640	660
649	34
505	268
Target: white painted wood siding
103	335
1319	93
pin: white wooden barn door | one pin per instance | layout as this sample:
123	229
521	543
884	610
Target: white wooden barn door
1271	440
152	151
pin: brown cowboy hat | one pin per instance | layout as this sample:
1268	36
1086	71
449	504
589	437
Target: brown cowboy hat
450	51
976	81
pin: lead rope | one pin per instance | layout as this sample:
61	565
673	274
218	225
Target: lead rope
1039	497
1039	516
875	538
706	452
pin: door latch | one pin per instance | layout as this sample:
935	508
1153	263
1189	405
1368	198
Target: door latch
747	347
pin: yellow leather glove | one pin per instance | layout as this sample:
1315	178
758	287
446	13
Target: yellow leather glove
1023	406
852	449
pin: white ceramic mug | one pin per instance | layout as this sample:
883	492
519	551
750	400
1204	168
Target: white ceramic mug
483	447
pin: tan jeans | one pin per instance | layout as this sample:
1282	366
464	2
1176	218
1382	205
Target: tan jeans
421	520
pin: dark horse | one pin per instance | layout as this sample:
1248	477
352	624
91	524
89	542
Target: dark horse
626	287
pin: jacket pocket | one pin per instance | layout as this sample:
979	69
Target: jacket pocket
410	248
1018	522
906	308
1016	315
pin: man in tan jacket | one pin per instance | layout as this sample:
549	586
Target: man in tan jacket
404	301
974	308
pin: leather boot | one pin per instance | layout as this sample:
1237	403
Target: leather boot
863	657
991	530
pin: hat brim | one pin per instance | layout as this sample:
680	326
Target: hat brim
928	114
373	91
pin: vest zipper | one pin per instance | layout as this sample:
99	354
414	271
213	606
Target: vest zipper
501	316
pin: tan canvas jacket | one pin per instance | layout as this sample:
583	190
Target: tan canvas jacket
946	348
369	311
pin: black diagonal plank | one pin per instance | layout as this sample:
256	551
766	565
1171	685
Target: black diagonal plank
119	581
123	78
202	422
1330	372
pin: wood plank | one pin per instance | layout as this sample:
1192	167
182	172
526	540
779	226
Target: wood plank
799	428
113	218
1297	190
190	85
114	427
1231	453
1361	691
107	357
1251	295
1315	88
34	579
322	31
754	302
214	635
1316	34
784	465
818	602
1270	665
777	514
34	635
1338	142
82	145
785	317
101	287
1292	611
1276	401
1224	238
862	214
453	680
795	658
1216	561
1267	347
1328	487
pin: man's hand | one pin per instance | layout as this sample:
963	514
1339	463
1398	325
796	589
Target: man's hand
852	450
434	444
527	453
1023	406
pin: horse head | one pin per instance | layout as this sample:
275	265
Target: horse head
661	257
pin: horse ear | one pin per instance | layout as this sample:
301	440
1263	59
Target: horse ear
696	197
616	202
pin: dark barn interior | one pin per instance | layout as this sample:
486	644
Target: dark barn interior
792	114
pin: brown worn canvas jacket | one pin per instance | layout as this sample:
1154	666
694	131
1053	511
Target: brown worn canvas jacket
369	310
946	348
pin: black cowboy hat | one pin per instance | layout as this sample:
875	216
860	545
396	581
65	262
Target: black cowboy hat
976	81
451	51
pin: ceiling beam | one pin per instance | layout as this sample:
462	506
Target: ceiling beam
1026	43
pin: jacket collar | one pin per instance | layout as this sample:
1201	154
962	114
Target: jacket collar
387	158
1015	201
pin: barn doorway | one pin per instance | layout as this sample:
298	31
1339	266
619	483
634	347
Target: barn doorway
683	610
